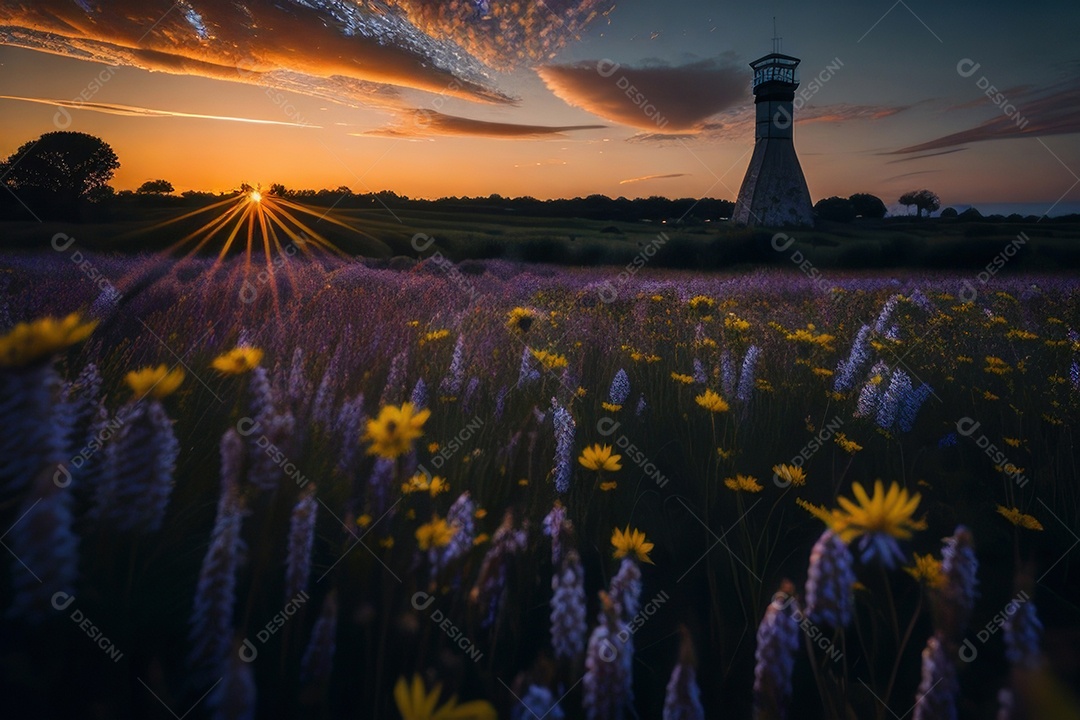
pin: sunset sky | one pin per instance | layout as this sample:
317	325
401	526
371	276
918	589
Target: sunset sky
430	98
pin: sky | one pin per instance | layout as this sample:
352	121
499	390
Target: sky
554	98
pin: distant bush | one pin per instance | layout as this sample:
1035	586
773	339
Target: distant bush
868	206
949	212
835	209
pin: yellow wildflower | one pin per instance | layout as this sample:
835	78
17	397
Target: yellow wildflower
712	402
790	474
238	361
392	432
609	485
599	457
29	342
684	379
1018	518
611	407
744	483
849	446
157	382
436	534
550	360
415	703
628	542
927	569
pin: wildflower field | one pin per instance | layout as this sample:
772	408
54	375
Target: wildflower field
341	490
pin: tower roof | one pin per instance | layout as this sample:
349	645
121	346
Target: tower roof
777	58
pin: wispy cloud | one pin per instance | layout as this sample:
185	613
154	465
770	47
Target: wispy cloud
737	124
426	123
1050	111
646	178
131	111
927	155
657	98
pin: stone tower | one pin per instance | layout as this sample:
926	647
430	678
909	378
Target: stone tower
774	192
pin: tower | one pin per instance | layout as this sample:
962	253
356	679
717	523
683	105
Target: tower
774	190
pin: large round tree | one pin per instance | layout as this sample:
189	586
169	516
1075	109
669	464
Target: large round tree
59	169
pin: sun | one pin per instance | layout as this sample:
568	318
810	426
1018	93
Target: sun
255	196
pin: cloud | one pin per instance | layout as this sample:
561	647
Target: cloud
131	111
659	97
737	124
1051	111
927	155
336	49
645	178
427	123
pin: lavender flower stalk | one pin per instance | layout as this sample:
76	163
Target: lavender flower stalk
301	542
619	390
455	374
777	642
682	700
564	445
211	622
418	398
957	596
491	582
699	373
568	625
538	702
746	375
139	467
234	698
828	584
625	589
891	400
45	550
607	685
318	660
1023	634
848	370
938	689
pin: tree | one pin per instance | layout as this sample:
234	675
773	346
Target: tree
922	200
155	187
949	212
867	206
836	209
59	169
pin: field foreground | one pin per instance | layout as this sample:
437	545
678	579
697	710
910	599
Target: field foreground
580	493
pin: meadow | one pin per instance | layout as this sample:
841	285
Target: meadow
341	489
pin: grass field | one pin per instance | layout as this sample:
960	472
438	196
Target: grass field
269	532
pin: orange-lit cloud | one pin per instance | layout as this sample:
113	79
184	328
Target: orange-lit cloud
1051	111
131	111
661	98
645	178
333	48
426	123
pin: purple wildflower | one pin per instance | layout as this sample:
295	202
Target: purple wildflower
45	549
211	622
418	398
568	625
301	542
455	374
699	373
828	584
619	389
746	375
848	370
538	702
318	660
777	642
234	697
938	689
564	445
